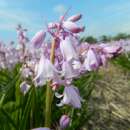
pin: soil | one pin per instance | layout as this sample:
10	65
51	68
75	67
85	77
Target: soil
110	100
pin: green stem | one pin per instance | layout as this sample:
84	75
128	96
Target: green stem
49	99
72	114
49	93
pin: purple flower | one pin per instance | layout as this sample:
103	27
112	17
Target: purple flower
111	49
22	35
44	71
38	39
64	121
72	27
68	71
26	72
70	97
92	61
76	65
24	87
75	18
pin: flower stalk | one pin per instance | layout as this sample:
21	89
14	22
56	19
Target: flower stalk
49	93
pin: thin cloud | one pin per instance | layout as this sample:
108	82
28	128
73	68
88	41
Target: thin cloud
10	19
3	4
60	9
119	8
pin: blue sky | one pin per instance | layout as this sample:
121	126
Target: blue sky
99	16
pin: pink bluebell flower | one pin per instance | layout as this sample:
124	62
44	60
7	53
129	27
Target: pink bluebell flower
92	61
45	71
64	121
38	39
75	18
70	97
67	49
72	27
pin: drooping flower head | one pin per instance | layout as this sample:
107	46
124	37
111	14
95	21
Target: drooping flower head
70	97
38	39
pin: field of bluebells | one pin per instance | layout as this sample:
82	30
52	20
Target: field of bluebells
46	81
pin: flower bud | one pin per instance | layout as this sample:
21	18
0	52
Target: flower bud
38	39
64	121
75	18
71	26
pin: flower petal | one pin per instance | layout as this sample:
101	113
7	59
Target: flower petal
72	27
38	39
75	18
24	87
67	49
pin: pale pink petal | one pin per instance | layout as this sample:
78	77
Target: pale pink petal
67	49
75	18
64	121
38	39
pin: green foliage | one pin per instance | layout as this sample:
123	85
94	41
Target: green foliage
86	85
121	36
89	39
24	112
105	38
123	61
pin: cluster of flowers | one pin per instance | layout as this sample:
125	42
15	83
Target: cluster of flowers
9	56
71	58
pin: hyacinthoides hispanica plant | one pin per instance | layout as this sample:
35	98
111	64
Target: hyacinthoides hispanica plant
57	63
68	60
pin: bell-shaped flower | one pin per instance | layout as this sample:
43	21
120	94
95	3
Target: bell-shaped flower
64	121
38	39
111	49
41	128
68	71
75	41
75	18
24	87
70	97
72	27
92	61
67	49
44	71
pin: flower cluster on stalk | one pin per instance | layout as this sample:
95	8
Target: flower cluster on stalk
71	59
